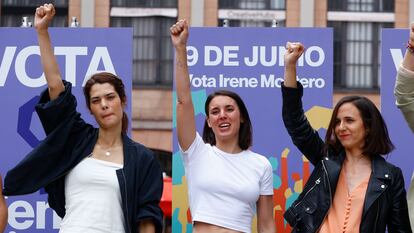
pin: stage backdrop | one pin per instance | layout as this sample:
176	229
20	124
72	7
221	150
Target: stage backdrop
80	53
393	50
250	62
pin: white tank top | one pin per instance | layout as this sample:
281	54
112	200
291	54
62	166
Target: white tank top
93	199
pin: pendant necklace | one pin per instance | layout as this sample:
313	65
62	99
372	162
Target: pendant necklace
107	151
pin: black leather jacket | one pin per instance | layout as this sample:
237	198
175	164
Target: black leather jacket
385	204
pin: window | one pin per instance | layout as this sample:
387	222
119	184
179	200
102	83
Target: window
152	49
357	44
356	54
33	3
252	4
145	3
14	10
361	5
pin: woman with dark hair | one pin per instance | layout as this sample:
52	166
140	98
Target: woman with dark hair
352	188
97	180
226	199
245	131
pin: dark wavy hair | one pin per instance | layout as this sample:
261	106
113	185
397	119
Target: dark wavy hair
106	77
377	140
245	132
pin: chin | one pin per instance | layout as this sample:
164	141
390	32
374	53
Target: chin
109	125
226	136
350	147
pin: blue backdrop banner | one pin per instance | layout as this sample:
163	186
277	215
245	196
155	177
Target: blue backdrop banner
250	61
393	50
80	52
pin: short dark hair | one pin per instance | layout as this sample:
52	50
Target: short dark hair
245	132
116	82
377	140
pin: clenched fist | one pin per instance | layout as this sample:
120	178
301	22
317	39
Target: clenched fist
179	34
293	51
44	14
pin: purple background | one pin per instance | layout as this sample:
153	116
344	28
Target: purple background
264	104
14	94
270	137
400	133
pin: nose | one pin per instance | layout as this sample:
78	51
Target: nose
104	104
341	126
223	114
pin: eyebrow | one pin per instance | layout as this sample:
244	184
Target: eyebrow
226	106
106	95
345	117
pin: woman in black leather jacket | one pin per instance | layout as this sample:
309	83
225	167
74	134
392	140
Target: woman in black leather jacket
370	193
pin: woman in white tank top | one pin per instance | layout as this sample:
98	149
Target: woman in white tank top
116	186
227	183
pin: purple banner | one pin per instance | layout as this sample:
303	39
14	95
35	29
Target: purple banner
80	53
250	61
393	50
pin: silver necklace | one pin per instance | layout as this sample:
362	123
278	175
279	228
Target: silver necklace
107	151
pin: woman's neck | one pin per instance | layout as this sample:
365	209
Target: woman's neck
229	146
356	157
109	137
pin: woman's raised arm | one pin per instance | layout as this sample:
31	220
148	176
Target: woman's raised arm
43	16
185	110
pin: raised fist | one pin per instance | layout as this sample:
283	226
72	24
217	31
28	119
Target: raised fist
293	51
44	14
179	33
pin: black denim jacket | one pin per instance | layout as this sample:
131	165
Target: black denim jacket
68	141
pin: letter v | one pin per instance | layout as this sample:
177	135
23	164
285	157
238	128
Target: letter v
397	57
6	63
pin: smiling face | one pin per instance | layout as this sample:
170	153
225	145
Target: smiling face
224	118
106	105
349	127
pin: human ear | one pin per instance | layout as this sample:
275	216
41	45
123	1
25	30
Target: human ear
208	122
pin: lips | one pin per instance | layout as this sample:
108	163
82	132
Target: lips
344	136
107	115
224	125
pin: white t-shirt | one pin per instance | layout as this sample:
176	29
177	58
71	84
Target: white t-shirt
224	188
93	199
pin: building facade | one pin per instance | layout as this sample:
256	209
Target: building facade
357	25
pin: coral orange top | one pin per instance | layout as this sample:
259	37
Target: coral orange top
346	211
